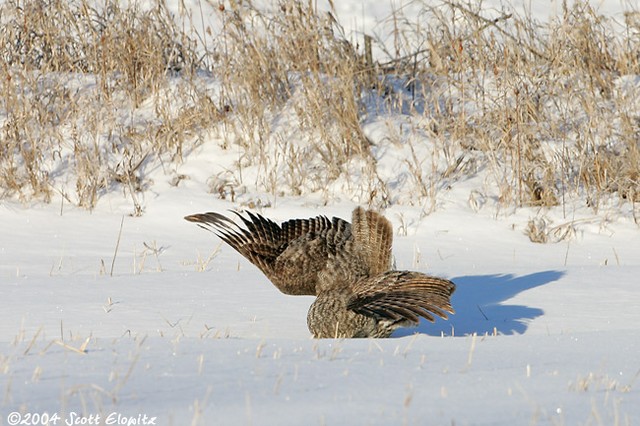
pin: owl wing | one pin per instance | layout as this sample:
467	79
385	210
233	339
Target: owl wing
402	297
290	254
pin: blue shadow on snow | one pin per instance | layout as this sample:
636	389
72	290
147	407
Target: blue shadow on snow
478	302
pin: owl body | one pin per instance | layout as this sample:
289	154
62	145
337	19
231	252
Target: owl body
347	266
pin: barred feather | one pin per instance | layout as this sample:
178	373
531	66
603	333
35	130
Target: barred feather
346	265
291	254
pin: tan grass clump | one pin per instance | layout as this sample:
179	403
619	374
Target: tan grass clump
545	113
292	59
72	78
539	102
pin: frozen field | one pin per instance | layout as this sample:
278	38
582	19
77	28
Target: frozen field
543	334
113	319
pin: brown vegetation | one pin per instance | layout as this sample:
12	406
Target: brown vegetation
110	92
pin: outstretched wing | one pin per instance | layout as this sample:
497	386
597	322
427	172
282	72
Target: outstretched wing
402	297
290	254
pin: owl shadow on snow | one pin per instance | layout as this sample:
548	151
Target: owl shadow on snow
478	302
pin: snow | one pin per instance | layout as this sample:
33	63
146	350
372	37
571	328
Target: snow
543	334
108	313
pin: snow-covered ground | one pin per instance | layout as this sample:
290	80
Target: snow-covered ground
108	318
543	334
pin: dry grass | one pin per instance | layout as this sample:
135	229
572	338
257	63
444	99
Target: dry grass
72	80
291	66
539	103
540	109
